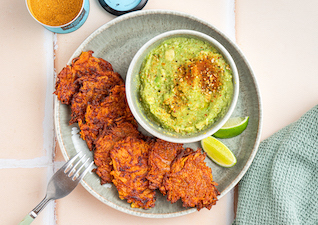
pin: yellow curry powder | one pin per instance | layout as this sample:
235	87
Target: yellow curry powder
55	12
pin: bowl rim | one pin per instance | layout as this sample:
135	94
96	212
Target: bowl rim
152	43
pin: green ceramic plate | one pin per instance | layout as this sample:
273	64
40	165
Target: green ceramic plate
117	42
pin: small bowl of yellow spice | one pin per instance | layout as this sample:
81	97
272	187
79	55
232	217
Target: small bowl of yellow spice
59	16
182	86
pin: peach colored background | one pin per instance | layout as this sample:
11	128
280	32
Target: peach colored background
279	38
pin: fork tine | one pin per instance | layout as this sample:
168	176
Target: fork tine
85	171
66	165
79	169
73	168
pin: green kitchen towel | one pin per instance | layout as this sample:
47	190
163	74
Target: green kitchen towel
281	185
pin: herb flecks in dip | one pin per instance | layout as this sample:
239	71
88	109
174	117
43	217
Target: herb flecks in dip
185	85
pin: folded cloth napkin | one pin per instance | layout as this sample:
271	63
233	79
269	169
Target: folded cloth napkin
281	185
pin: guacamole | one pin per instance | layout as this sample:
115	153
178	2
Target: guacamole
185	85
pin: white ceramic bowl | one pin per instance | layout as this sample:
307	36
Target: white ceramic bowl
132	89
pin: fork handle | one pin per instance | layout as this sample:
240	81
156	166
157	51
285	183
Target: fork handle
28	219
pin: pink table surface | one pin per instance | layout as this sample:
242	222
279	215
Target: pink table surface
277	37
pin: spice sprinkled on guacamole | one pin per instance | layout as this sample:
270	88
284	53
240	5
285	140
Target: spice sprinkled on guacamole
185	85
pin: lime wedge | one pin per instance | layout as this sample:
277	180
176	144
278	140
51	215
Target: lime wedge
218	152
233	127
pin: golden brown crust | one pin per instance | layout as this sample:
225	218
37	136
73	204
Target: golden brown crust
84	65
161	154
112	110
130	163
190	180
105	143
65	86
92	89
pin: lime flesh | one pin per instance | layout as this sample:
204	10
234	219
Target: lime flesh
233	127
218	152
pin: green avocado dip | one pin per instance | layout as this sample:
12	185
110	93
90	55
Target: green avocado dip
185	85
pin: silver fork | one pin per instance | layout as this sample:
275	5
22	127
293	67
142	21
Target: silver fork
61	184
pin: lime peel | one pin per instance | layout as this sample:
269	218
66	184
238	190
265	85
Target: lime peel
233	127
218	152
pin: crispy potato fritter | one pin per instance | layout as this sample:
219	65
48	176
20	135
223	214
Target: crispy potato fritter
161	154
130	162
113	109
84	65
105	143
190	180
92	89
